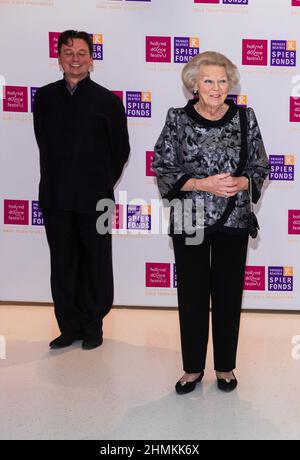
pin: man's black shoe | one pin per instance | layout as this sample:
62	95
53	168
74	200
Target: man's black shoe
91	343
63	341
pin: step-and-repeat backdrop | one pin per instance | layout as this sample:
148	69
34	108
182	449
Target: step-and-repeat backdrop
140	47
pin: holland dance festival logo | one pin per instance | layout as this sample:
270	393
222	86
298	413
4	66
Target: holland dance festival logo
16	212
158	49
158	275
294	222
255	52
255	278
15	99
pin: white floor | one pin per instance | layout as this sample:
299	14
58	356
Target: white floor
125	388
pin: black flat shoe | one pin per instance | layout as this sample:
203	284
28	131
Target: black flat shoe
90	344
183	388
227	385
63	341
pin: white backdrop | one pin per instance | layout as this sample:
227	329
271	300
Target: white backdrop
260	36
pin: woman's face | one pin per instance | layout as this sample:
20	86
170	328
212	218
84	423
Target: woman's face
213	85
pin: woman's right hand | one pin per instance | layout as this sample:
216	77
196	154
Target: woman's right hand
221	185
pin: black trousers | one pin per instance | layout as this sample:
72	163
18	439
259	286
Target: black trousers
213	270
81	272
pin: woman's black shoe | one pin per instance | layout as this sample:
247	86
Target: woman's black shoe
227	385
183	387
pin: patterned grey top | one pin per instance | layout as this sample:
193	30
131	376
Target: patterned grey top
192	146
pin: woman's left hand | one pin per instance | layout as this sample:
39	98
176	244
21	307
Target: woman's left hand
235	184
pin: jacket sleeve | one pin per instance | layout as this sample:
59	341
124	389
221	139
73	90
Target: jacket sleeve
166	163
257	168
37	119
119	138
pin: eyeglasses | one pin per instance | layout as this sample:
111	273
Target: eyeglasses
80	54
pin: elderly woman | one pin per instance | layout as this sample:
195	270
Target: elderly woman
211	150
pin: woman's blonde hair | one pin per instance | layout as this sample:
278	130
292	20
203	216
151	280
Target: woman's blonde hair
190	71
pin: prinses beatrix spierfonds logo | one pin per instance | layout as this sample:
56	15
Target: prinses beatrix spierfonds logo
283	53
281	279
239	99
138	104
139	217
36	215
282	167
185	48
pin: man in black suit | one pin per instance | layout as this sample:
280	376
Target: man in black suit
81	131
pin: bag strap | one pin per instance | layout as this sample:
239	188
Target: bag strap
240	169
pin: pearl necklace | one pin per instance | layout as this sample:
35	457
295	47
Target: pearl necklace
219	114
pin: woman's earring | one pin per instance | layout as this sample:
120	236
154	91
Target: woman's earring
195	93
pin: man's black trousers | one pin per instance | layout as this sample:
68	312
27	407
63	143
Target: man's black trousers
81	272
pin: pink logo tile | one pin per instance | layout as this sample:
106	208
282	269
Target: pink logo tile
117	222
119	94
158	275
255	52
255	279
206	1
294	222
16	212
158	49
295	109
16	99
295	2
149	160
53	41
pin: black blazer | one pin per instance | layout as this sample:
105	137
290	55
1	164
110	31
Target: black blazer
83	143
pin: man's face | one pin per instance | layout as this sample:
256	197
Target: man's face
75	59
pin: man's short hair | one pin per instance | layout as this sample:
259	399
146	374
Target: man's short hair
67	37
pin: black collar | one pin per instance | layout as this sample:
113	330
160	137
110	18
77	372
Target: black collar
194	115
81	83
